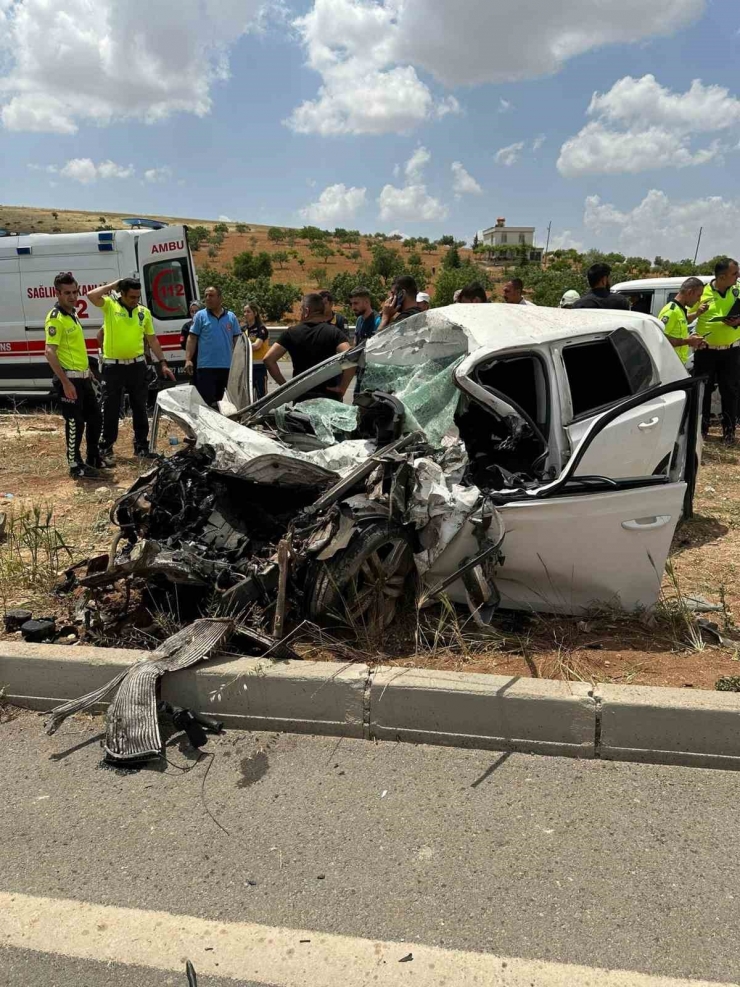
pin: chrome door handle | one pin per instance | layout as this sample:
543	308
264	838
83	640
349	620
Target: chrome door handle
651	424
646	523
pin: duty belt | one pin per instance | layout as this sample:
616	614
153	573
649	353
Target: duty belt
78	374
136	359
731	346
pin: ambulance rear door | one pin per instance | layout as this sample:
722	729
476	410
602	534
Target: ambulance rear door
14	371
91	258
168	286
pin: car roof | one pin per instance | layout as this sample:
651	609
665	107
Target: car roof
500	326
645	284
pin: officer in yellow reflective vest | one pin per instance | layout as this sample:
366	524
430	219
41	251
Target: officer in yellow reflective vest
66	353
676	320
127	331
719	325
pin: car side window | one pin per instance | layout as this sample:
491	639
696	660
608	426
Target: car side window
640	301
603	371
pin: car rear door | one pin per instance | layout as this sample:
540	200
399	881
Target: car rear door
578	542
600	373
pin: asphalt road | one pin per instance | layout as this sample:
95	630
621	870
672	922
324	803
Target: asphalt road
600	865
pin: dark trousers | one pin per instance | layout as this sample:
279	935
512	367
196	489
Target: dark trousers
82	417
259	380
720	367
211	383
129	378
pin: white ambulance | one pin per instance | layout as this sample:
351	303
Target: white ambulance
28	265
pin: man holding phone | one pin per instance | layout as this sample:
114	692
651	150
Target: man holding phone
401	303
719	325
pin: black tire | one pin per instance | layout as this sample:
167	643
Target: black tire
362	585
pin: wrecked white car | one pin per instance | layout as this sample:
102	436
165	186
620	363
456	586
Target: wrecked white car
514	457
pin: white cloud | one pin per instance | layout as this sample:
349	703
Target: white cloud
598	150
509	155
369	53
225	219
503	105
68	62
565	241
335	204
85	171
410	204
641	125
538	142
660	225
109	169
463	182
645	102
416	165
522	39
157	175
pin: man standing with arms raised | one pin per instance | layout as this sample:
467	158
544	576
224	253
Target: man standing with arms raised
212	335
67	356
127	331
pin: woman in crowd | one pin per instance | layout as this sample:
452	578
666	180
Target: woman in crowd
260	340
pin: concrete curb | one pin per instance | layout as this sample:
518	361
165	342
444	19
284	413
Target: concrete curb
490	712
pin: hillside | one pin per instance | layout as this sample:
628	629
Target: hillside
297	269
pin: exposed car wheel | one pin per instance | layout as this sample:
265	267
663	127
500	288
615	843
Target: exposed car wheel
363	583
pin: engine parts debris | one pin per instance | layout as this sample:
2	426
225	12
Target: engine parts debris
132	732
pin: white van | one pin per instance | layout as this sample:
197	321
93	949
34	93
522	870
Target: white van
651	295
29	264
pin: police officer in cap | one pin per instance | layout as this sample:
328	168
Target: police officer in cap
127	332
67	356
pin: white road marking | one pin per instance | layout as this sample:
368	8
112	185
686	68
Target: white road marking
276	955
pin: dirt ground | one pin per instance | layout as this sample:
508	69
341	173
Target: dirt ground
663	649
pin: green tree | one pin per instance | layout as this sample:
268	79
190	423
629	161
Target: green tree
321	249
311	233
242	228
387	263
301	261
197	235
319	275
548	286
212	252
248	266
451	259
452	278
221	228
355	255
429	248
476	242
273	299
275	234
281	258
447	240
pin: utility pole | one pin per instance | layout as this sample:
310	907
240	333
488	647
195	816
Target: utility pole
697	245
547	245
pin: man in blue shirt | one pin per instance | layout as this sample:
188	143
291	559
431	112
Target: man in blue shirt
367	319
212	335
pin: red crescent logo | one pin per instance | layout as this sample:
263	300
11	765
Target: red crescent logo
155	291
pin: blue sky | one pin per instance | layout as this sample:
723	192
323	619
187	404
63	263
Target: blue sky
353	113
